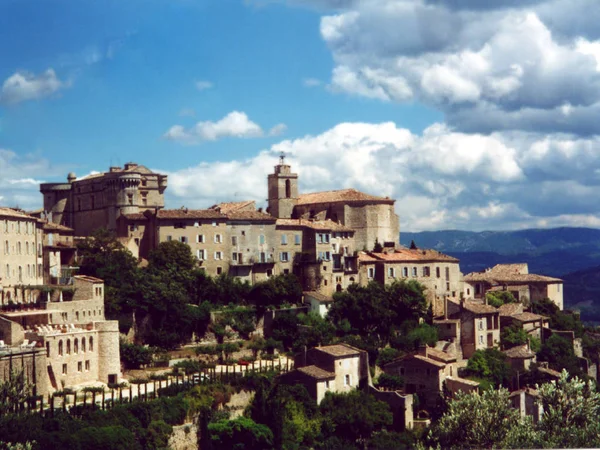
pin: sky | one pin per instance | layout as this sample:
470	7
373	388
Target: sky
472	114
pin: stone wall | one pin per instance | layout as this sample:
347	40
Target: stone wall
32	363
11	332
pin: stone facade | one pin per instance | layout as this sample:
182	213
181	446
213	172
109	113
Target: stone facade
21	258
98	200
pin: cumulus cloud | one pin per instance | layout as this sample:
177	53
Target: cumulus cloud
23	86
21	176
513	65
235	124
278	129
441	178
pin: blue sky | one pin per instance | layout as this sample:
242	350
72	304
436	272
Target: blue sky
471	117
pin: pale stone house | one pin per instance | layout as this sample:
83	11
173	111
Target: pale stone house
520	358
516	279
319	303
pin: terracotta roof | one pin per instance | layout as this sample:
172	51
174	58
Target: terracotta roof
464	381
9	212
407	255
329	225
134	216
509	273
228	207
428	360
528	317
344	195
519	352
316	372
339	350
184	213
432	353
318	296
57	227
508	309
250	216
479	308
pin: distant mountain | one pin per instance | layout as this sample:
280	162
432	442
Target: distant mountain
572	254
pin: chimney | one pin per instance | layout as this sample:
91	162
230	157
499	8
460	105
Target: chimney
422	350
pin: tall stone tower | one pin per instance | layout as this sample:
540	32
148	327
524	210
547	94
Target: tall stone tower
283	190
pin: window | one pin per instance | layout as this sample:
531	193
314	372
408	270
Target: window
218	238
130	199
6	248
326	384
218	256
79	366
327	256
371	272
233	240
414	271
468	291
391	272
83	345
288	189
426	271
347	380
284	239
20	273
447	273
196	224
297	239
27	248
481	324
437	272
200	239
214	224
481	339
18	248
284	256
169	238
447	286
144	182
184	239
87	365
219	270
76	346
64	369
68	346
60	348
261	239
91	344
47	349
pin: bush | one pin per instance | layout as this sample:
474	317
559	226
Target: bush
135	356
388	381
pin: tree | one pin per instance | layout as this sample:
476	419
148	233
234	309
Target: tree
490	364
558	352
241	433
499	298
276	291
513	336
476	421
14	391
377	248
135	356
353	416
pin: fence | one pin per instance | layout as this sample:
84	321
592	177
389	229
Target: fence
102	398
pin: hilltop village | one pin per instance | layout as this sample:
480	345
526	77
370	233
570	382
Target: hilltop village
402	325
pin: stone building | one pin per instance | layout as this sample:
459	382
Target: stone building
98	200
59	251
68	337
439	273
21	258
516	279
332	368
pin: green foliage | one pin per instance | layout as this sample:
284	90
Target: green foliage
387	355
112	438
377	248
413	336
276	291
499	298
241	433
558	352
388	381
513	336
559	320
376	310
353	416
490	364
134	356
13	392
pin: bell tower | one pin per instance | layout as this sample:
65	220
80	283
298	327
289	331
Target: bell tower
283	190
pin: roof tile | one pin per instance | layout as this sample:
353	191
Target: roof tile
343	195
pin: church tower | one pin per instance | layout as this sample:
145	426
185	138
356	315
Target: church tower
283	190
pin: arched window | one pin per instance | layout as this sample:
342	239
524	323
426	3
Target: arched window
83	344
27	248
288	189
68	346
76	346
91	344
47	349
60	348
20	273
18	248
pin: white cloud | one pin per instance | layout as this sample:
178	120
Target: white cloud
513	65
202	85
441	178
278	129
235	124
23	86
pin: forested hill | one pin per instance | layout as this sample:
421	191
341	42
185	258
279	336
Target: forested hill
554	252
